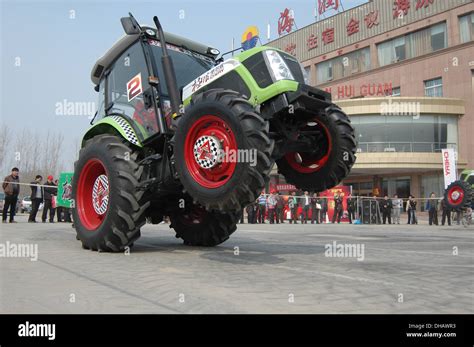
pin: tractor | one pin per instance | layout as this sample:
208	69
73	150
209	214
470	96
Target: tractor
181	132
459	195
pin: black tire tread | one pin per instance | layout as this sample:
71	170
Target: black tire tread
217	229
341	168
468	195
256	130
130	205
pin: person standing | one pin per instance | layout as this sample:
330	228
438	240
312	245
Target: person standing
280	207
59	209
386	210
251	215
11	188
397	205
432	207
351	207
36	198
271	204
241	217
262	201
337	209
50	191
458	216
293	205
411	209
315	208
306	207
324	210
67	215
446	213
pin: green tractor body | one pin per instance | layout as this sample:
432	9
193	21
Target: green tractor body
183	134
468	177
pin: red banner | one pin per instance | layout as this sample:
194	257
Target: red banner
342	191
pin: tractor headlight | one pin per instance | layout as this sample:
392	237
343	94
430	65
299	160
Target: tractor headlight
278	67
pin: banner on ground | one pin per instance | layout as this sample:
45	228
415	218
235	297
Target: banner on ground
64	198
449	166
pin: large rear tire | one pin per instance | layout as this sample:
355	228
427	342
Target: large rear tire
458	195
318	171
198	227
109	211
221	121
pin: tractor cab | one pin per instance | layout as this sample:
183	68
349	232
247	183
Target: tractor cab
132	85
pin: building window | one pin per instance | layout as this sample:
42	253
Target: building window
438	37
307	74
434	87
396	91
343	66
472	80
413	45
466	27
397	133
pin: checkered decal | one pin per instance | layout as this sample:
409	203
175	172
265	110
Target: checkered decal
127	129
100	194
206	151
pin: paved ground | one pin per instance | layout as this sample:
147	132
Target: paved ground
279	269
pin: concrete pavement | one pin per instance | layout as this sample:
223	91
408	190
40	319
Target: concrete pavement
260	269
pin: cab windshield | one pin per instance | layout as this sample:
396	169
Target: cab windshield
187	65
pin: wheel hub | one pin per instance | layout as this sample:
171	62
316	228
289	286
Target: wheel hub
100	194
309	162
207	151
203	151
455	195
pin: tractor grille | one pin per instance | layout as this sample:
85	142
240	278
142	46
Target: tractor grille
259	70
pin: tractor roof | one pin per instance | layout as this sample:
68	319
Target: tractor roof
127	40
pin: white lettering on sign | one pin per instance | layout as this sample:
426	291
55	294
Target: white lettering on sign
209	76
449	166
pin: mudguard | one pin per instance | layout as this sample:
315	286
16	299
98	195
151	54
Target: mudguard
113	124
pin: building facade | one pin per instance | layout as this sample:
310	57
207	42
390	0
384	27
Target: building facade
403	70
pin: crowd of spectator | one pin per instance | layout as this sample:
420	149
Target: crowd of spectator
277	208
314	208
43	195
274	207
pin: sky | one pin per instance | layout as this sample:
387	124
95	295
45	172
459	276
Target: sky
48	48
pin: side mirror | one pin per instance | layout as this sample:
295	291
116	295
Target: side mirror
130	26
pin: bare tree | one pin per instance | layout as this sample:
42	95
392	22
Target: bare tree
4	142
52	143
33	151
77	147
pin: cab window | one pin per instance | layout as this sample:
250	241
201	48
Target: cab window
126	84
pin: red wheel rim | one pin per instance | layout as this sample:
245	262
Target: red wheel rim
214	129
92	197
456	195
307	162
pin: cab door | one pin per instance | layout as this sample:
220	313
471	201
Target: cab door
129	93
